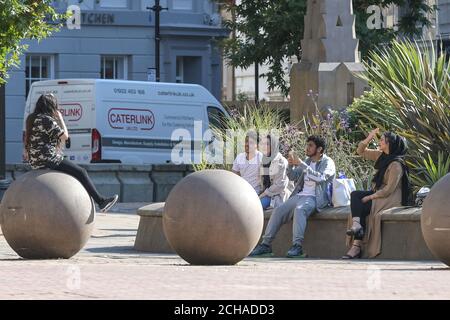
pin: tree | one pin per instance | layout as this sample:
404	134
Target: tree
270	31
19	20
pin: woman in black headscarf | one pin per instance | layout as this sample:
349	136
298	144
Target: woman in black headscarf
390	188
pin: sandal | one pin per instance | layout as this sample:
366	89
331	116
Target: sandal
358	256
357	233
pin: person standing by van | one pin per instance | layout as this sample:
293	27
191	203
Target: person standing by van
45	133
274	173
247	164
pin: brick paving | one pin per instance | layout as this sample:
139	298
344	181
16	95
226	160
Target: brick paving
109	268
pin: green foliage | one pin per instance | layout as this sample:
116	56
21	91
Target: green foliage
339	147
413	20
270	32
21	20
417	87
429	171
333	127
261	119
205	165
267	31
252	117
410	96
372	110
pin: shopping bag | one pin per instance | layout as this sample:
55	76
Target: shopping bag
342	188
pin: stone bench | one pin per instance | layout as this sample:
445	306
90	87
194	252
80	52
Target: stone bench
325	234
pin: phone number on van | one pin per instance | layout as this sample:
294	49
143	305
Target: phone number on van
119	118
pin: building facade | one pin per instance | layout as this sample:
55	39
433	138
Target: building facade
116	40
443	23
239	83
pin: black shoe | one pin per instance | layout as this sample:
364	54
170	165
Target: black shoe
296	251
358	256
108	203
262	250
357	233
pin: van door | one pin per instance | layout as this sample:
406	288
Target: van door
76	104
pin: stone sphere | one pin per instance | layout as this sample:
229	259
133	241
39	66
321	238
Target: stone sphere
213	217
435	220
46	215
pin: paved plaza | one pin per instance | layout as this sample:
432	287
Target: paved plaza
109	268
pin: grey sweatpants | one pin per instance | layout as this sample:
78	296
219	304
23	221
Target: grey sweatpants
298	208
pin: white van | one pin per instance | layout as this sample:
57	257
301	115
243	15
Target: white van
129	122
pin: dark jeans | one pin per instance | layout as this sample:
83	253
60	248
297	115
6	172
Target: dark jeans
81	175
359	209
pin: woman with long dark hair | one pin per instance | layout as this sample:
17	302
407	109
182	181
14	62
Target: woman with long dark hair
45	134
390	188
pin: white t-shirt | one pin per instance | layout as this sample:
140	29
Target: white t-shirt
249	169
309	187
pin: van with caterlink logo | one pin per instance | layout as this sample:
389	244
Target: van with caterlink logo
131	122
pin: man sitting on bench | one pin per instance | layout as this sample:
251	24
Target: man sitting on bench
313	177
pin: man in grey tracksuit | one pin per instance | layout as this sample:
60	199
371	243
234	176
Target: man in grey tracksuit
313	178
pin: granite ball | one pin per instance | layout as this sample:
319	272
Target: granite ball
213	217
46	214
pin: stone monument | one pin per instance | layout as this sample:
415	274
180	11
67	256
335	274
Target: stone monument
330	59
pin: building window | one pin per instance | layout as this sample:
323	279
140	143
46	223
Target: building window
38	68
151	3
84	5
180	70
114	4
182	5
114	67
217	118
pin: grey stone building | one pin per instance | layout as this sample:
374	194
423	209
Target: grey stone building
116	41
443	22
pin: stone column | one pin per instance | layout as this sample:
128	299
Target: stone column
330	59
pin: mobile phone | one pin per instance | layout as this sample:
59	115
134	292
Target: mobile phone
294	155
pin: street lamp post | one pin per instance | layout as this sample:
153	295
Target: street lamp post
157	9
256	84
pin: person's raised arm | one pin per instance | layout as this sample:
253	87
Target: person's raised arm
363	151
320	176
293	170
61	122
